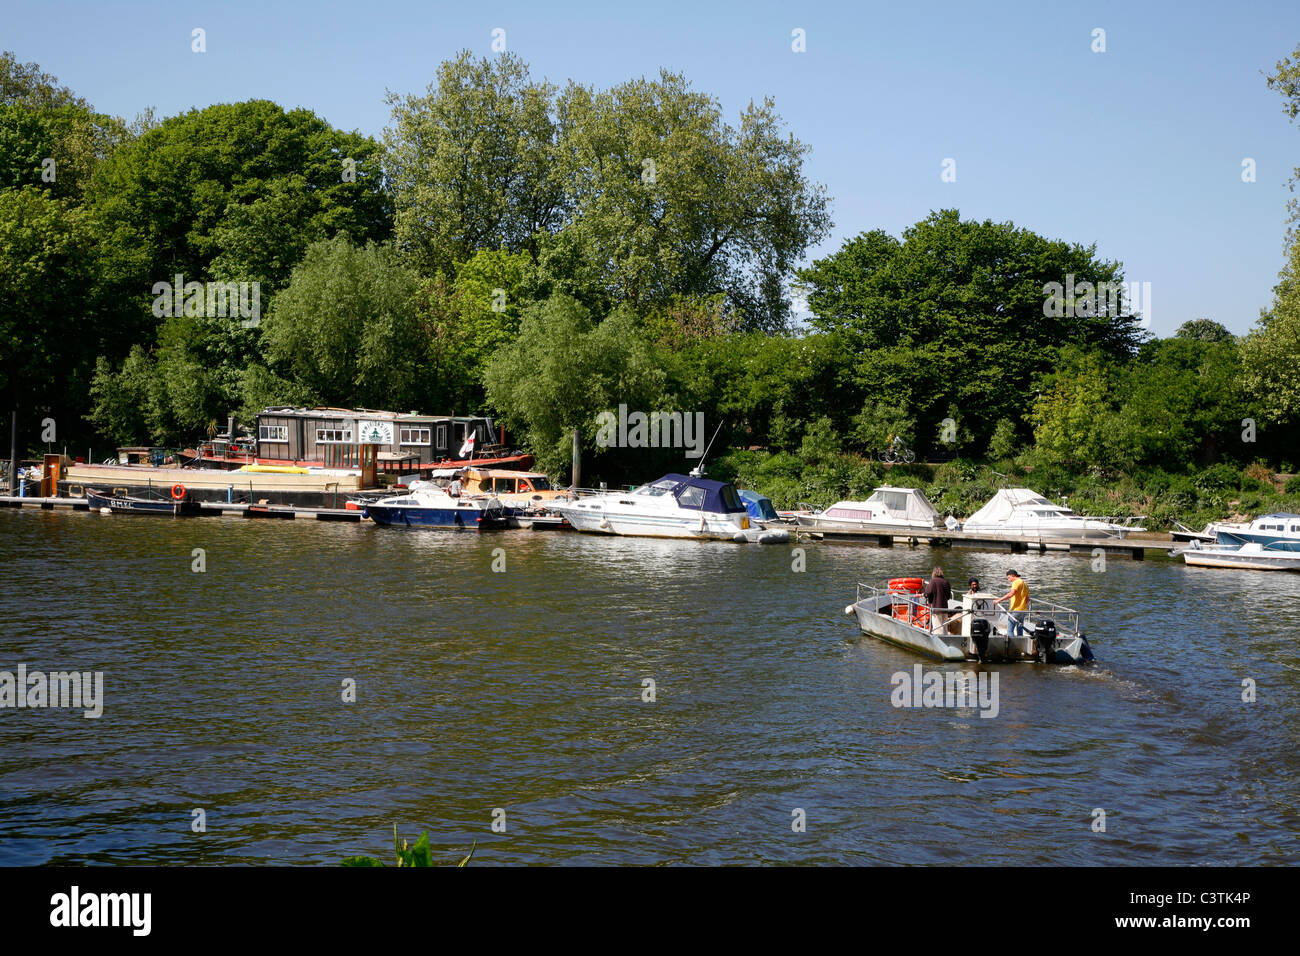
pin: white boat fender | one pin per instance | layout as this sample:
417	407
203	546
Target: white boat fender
848	609
106	511
739	537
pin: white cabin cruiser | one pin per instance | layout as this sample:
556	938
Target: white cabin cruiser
973	628
1282	526
1252	555
674	506
1024	513
888	509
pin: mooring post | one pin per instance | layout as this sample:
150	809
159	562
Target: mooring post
13	451
577	461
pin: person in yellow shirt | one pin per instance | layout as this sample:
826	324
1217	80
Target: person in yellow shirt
1019	606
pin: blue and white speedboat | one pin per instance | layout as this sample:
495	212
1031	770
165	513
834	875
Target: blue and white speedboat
1265	529
674	506
433	508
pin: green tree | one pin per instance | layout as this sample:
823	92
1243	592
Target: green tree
965	314
674	201
345	327
471	163
564	369
48	333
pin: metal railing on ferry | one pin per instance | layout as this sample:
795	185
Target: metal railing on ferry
1065	618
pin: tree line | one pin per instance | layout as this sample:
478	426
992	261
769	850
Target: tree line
546	253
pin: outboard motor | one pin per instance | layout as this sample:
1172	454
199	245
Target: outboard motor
1045	639
979	632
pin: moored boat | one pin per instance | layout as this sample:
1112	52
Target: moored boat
889	509
1250	556
430	508
1024	513
674	506
974	628
1280	526
179	504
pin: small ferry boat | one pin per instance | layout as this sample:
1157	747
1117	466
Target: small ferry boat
888	509
1024	513
428	507
1250	556
973	628
179	504
674	506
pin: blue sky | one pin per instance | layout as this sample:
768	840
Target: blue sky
1137	149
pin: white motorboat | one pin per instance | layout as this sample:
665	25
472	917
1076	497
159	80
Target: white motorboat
888	509
1023	513
1282	526
674	506
973	628
1252	555
430	507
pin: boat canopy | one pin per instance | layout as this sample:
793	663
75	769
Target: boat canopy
909	503
1009	501
701	494
759	506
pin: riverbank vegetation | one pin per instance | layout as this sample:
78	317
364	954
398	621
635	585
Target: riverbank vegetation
548	253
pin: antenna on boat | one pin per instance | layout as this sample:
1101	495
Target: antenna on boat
698	470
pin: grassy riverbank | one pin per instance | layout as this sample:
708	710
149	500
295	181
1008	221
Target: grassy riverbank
960	487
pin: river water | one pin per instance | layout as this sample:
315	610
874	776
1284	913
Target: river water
517	697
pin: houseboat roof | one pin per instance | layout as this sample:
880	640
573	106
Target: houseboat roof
329	411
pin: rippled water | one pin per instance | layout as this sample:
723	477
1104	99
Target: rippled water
522	690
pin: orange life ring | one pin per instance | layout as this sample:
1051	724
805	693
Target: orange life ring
178	491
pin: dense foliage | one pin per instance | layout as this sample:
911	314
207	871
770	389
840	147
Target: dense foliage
548	253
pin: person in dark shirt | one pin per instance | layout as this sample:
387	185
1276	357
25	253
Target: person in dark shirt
939	592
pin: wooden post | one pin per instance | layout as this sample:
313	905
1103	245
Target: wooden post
13	452
577	461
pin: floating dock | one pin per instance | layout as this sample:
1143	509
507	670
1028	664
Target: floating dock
1135	548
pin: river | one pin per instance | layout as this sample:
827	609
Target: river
518	697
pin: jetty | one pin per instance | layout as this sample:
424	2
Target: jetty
1132	547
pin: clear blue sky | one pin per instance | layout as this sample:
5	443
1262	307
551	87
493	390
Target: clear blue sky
1137	149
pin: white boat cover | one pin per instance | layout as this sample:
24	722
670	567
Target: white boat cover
899	503
1006	502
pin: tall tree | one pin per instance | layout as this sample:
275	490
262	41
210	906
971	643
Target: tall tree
471	163
673	201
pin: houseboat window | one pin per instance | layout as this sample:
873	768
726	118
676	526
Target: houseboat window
272	432
442	436
414	436
333	436
691	498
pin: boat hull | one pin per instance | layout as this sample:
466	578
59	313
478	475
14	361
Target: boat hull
454	519
184	508
711	527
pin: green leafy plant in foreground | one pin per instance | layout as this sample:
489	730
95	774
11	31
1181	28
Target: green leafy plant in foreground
407	855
